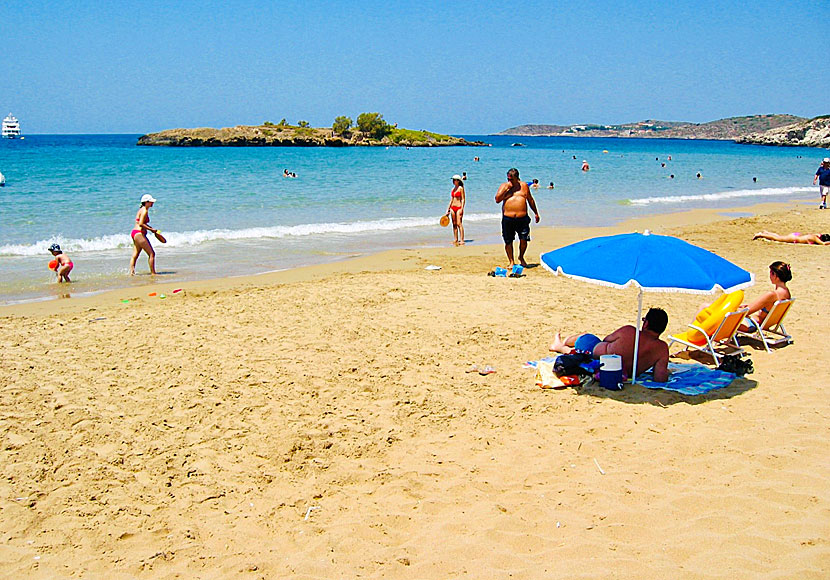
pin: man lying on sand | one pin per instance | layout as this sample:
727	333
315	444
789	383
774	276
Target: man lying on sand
651	352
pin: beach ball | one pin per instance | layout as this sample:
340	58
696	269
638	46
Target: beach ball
53	264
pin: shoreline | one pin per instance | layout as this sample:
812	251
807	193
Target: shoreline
395	259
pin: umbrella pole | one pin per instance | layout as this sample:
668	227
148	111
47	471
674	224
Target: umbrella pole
637	336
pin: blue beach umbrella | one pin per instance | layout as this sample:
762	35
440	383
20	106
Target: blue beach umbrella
651	262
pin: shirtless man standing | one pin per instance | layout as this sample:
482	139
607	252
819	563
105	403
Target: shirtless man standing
514	197
651	352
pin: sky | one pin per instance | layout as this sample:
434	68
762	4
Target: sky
451	67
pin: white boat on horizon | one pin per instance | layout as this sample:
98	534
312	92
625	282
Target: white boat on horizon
10	128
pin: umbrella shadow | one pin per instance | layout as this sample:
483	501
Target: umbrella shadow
639	395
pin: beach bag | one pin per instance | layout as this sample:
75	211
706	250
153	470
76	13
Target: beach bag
571	364
733	363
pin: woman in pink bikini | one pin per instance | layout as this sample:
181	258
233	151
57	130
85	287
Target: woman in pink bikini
458	199
139	234
795	238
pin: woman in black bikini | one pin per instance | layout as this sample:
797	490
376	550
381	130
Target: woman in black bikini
458	199
779	275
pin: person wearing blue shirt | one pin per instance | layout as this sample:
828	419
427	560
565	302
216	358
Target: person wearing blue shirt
823	178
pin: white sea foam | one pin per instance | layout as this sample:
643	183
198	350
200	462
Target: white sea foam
721	195
194	238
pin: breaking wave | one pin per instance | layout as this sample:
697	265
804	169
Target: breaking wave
722	195
194	238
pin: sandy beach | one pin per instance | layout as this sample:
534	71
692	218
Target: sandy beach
320	423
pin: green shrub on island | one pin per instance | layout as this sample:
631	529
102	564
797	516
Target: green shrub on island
341	125
373	125
282	123
302	123
267	124
408	135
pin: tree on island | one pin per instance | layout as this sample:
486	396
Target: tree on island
341	125
302	123
373	125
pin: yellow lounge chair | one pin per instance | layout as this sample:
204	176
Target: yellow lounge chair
723	336
771	331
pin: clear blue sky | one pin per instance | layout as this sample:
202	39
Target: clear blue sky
454	67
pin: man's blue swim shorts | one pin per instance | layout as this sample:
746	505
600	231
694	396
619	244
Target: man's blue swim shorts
587	342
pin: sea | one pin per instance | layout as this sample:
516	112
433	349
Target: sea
228	211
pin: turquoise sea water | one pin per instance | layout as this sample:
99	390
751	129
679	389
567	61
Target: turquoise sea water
228	211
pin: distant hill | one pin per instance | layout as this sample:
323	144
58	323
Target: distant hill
806	133
731	128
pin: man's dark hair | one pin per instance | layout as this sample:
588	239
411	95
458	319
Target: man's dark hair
657	320
513	172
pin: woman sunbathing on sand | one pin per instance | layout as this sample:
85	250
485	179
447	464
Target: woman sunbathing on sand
795	238
779	275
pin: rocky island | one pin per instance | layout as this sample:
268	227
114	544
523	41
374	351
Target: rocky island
369	132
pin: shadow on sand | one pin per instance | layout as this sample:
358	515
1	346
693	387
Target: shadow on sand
637	394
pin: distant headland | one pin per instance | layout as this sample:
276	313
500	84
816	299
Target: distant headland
782	130
369	131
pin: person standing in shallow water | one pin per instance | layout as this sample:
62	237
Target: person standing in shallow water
514	197
458	199
139	234
823	178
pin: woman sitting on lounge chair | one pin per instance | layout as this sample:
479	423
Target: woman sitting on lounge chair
779	275
795	238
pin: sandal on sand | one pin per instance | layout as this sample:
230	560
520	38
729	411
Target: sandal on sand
488	370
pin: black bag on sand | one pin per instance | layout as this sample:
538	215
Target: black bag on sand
733	363
569	364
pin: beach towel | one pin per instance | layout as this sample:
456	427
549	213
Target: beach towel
684	378
547	378
589	366
689	379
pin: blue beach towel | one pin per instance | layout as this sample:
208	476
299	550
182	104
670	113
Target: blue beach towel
684	378
689	379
